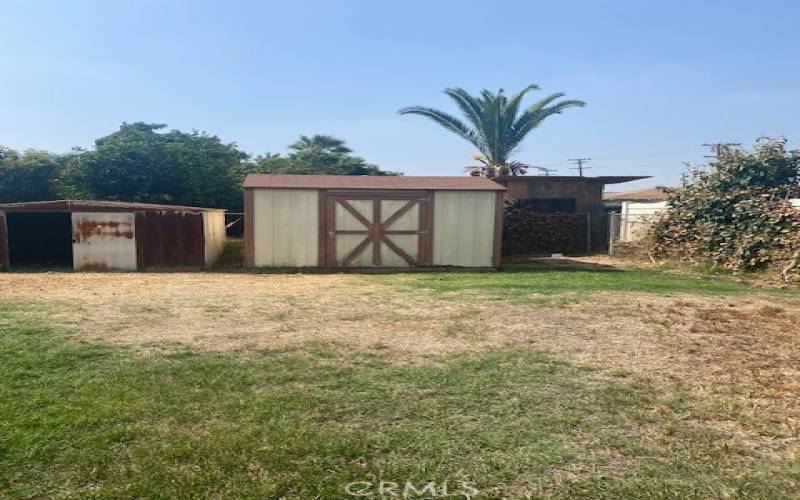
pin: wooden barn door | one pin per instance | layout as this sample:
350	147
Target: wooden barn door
378	230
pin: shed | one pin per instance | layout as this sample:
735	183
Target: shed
360	222
108	235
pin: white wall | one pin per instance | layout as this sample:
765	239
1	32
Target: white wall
795	202
214	235
285	227
636	217
463	228
103	241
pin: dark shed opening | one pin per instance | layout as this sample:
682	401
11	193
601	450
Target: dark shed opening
40	239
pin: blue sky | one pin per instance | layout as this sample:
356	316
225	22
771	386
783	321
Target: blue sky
661	78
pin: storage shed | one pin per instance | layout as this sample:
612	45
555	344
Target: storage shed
107	235
360	222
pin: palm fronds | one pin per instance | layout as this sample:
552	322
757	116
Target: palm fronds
494	125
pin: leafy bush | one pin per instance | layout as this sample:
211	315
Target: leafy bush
737	213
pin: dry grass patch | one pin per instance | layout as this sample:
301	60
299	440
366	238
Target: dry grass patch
744	349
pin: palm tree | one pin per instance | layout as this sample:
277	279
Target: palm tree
495	124
319	142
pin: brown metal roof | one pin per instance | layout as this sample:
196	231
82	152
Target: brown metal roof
602	179
93	205
650	194
464	183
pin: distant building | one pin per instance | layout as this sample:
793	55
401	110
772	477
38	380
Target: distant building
634	211
556	194
637	195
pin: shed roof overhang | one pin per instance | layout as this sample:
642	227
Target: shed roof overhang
451	183
96	206
602	179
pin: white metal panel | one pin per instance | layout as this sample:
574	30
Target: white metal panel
103	241
286	227
463	228
214	235
637	216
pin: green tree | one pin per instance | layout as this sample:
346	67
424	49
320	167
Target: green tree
318	154
319	142
495	124
30	176
138	163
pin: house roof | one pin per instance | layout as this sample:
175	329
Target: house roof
649	194
602	179
452	183
95	205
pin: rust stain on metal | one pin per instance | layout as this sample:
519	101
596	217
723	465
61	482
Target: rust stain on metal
88	228
95	266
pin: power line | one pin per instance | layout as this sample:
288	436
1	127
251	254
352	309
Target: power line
579	162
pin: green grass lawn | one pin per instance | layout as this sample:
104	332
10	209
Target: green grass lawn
512	281
86	420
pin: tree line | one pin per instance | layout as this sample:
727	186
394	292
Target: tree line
143	163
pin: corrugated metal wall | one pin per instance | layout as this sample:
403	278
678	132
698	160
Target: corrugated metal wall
463	228
4	250
103	241
214	235
170	240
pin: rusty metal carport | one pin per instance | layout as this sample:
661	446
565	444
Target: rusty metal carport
107	235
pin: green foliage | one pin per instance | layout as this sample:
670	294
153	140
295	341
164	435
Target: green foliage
30	176
137	163
737	214
319	154
320	142
496	124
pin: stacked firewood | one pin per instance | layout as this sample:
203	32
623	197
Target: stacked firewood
529	232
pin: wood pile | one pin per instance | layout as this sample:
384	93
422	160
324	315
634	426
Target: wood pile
527	232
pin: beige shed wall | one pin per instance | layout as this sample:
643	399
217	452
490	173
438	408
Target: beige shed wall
285	227
463	228
214	233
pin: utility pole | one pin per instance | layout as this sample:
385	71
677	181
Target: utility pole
717	147
579	162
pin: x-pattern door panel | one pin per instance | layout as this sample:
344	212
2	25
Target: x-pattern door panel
378	231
